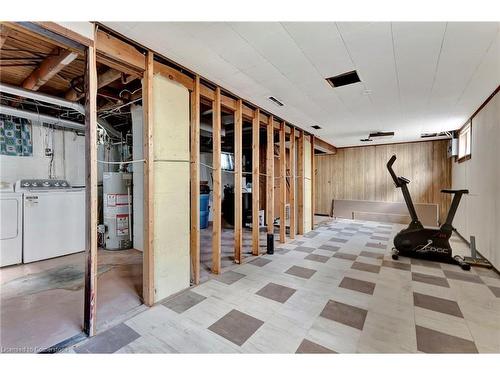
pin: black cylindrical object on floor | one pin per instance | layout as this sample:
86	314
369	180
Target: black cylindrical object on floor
270	243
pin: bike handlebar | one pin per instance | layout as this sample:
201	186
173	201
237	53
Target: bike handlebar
391	171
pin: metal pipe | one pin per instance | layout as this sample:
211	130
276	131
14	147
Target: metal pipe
9	111
19	91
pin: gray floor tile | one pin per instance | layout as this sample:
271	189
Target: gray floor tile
357	285
371	254
260	262
462	276
305	249
184	301
495	290
396	265
360	266
329	247
309	347
229	277
276	292
302	272
336	239
317	258
346	314
431	341
345	256
429	279
109	341
425	263
236	326
441	305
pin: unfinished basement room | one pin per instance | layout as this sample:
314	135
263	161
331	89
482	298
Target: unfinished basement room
218	186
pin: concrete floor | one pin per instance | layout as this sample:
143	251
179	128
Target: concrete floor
42	302
336	289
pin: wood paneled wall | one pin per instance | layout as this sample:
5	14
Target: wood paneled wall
361	173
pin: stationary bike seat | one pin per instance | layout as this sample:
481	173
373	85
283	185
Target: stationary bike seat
451	191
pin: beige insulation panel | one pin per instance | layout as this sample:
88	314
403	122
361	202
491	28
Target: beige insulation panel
307	185
171	187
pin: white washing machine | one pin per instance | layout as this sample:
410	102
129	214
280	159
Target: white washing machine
11	226
53	219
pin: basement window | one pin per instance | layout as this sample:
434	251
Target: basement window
464	142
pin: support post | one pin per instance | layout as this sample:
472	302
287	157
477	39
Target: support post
195	182
300	183
148	256
292	183
270	176
313	178
238	151
255	181
282	178
216	148
90	295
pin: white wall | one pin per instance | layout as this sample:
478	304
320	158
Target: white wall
138	176
69	158
479	212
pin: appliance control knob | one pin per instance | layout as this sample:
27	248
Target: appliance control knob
26	184
56	184
34	184
46	183
64	184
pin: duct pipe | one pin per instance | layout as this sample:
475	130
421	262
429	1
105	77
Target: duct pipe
18	91
9	111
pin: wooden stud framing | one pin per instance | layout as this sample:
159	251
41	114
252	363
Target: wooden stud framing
282	178
195	182
300	183
148	256
217	186
90	295
313	172
255	181
270	177
238	152
292	184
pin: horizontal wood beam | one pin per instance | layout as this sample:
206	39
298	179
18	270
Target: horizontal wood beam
324	146
174	75
57	60
112	49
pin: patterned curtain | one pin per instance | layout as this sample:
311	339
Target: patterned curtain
15	136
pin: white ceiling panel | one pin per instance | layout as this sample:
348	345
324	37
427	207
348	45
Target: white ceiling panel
415	77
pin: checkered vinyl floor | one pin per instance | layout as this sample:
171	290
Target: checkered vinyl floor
334	290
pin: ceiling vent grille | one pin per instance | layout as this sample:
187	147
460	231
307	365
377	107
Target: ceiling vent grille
344	79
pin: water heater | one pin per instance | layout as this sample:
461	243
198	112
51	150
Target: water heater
117	210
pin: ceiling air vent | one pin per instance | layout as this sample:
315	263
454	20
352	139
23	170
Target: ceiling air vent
377	136
432	135
317	127
344	79
276	101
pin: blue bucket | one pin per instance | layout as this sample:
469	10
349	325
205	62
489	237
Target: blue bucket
204	199
204	219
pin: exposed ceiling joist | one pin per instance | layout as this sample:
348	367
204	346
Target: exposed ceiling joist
48	68
4	34
103	80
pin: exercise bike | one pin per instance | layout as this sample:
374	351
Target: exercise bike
425	243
